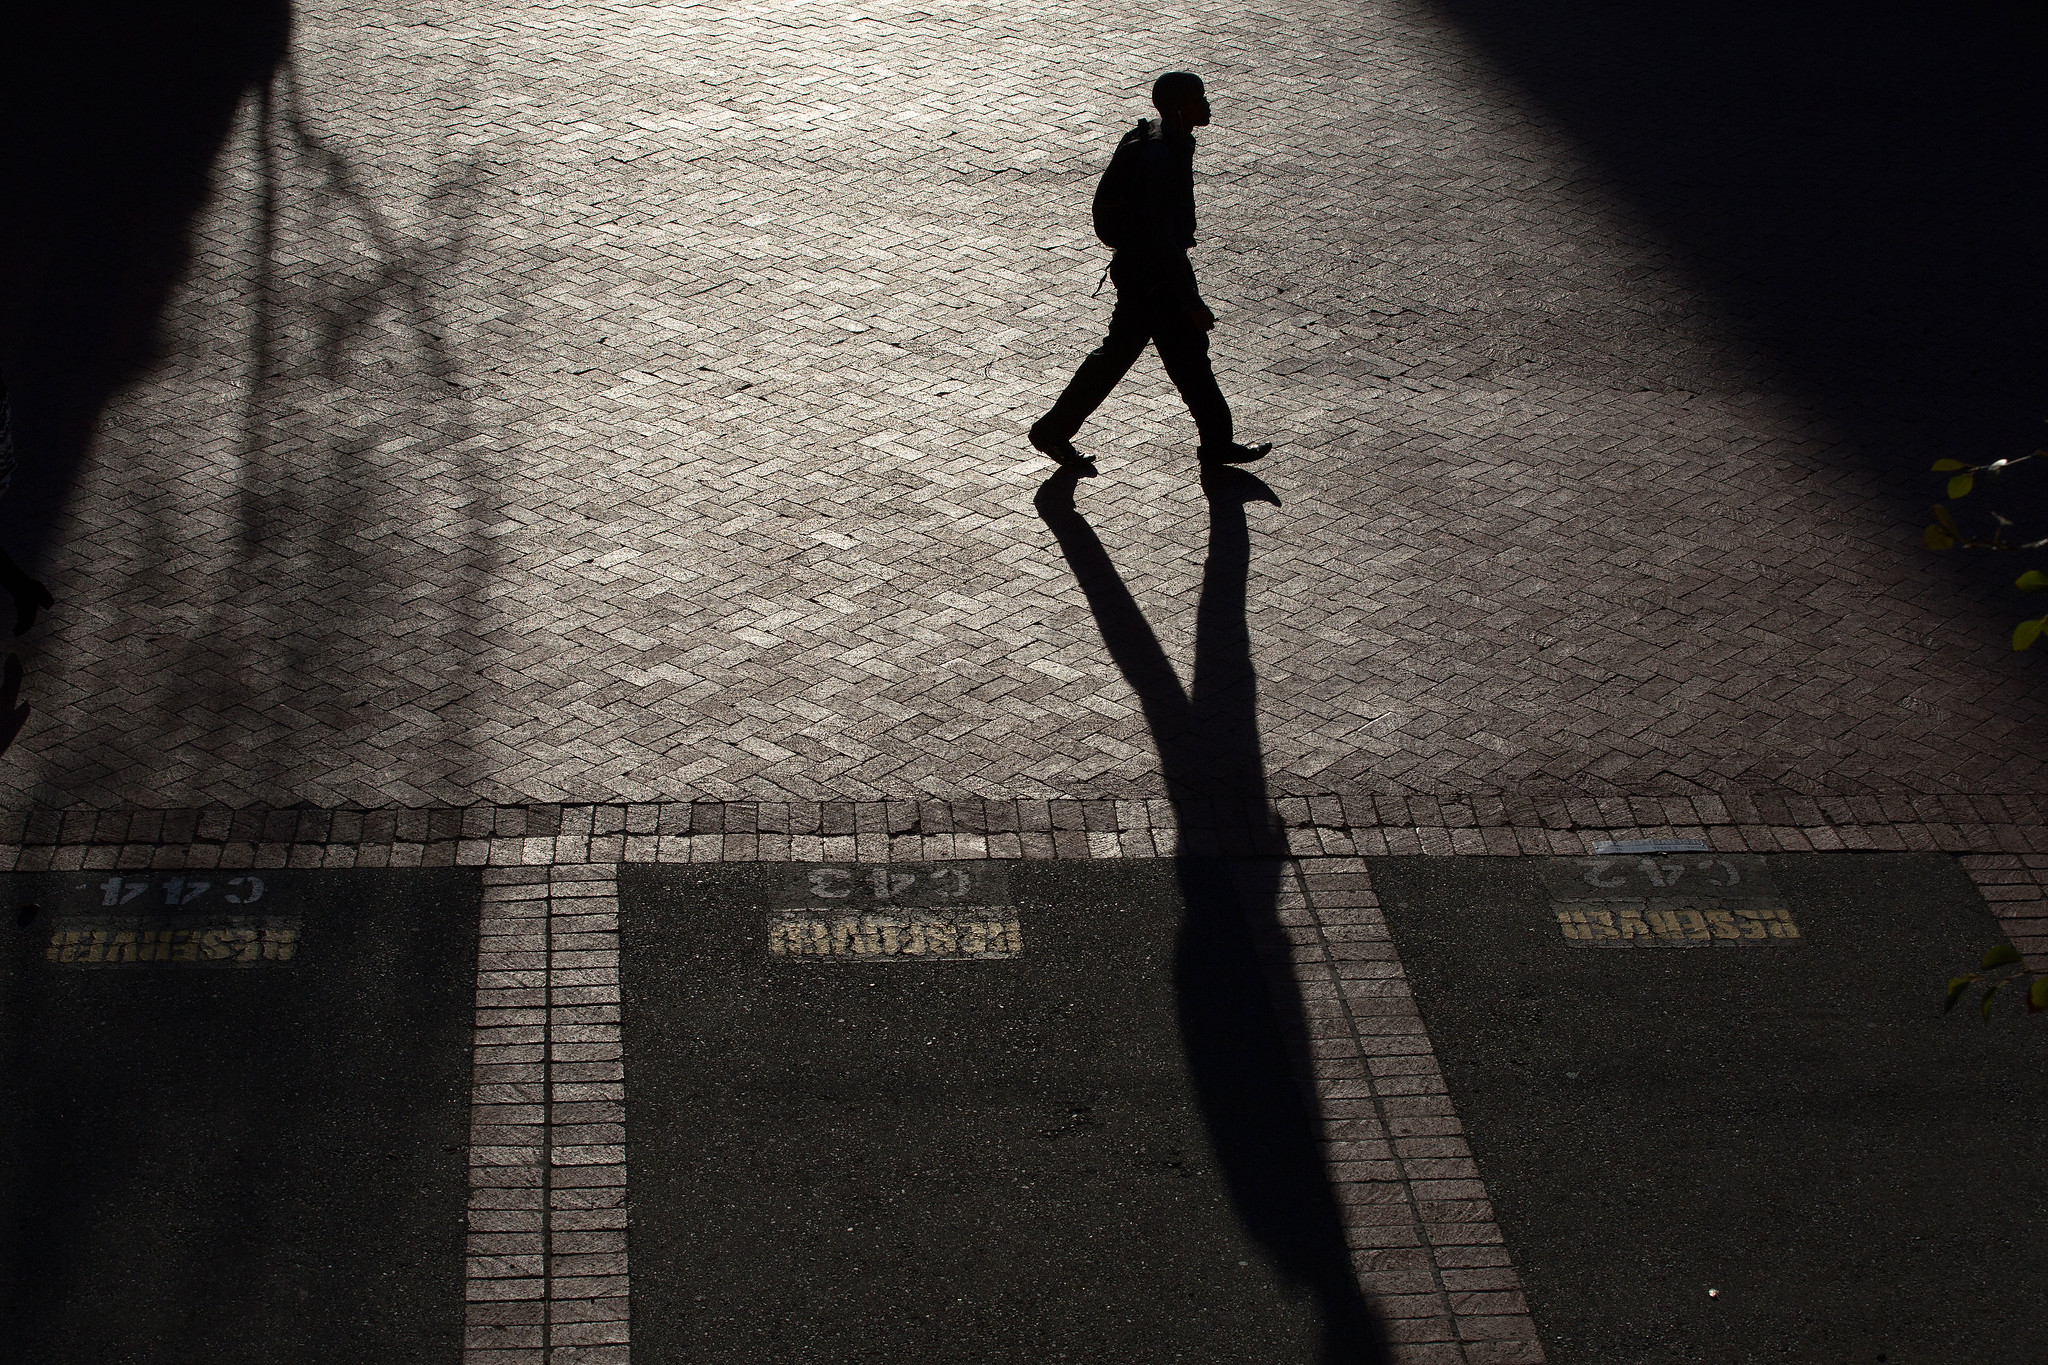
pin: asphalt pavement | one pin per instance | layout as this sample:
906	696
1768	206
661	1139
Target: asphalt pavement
1081	1143
1728	1143
583	445
236	1116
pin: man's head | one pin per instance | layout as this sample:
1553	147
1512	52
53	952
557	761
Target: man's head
1180	99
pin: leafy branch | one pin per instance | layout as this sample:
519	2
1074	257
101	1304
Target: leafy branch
1946	534
2002	967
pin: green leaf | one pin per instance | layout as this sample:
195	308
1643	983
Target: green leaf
2026	632
1984	1005
1956	986
1960	485
1941	514
2033	580
1934	538
2003	955
2037	995
1948	466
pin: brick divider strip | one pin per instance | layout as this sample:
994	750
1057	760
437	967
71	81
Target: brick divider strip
1424	1244
506	1267
546	1279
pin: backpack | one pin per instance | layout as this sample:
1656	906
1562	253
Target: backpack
1117	193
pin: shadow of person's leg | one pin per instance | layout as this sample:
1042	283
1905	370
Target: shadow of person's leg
1235	1023
1125	631
1237	1020
1225	688
1244	1031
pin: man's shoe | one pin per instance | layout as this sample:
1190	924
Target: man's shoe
1063	451
1234	453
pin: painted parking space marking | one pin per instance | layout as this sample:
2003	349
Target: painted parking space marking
220	941
1660	901
1601	879
843	886
171	920
1679	922
849	912
242	888
983	932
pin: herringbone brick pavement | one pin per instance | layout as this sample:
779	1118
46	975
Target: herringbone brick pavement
583	402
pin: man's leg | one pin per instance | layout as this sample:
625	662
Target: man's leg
1184	350
1129	330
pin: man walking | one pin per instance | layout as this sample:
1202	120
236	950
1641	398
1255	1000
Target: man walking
1145	210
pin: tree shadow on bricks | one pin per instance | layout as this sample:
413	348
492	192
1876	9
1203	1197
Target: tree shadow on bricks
309	574
361	493
1244	1025
1859	186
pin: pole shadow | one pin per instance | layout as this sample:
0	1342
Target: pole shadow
1236	1021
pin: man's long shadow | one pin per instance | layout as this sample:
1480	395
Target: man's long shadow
1233	1020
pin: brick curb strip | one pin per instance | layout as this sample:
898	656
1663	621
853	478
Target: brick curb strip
2002	840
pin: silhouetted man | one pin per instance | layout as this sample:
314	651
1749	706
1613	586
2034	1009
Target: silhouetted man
1145	210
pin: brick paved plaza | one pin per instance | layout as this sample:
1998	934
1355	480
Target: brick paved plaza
586	434
640	412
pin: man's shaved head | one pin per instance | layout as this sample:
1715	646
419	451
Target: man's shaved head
1174	87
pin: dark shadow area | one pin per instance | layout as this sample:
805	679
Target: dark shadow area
114	113
13	710
1267	1142
1862	187
234	1113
